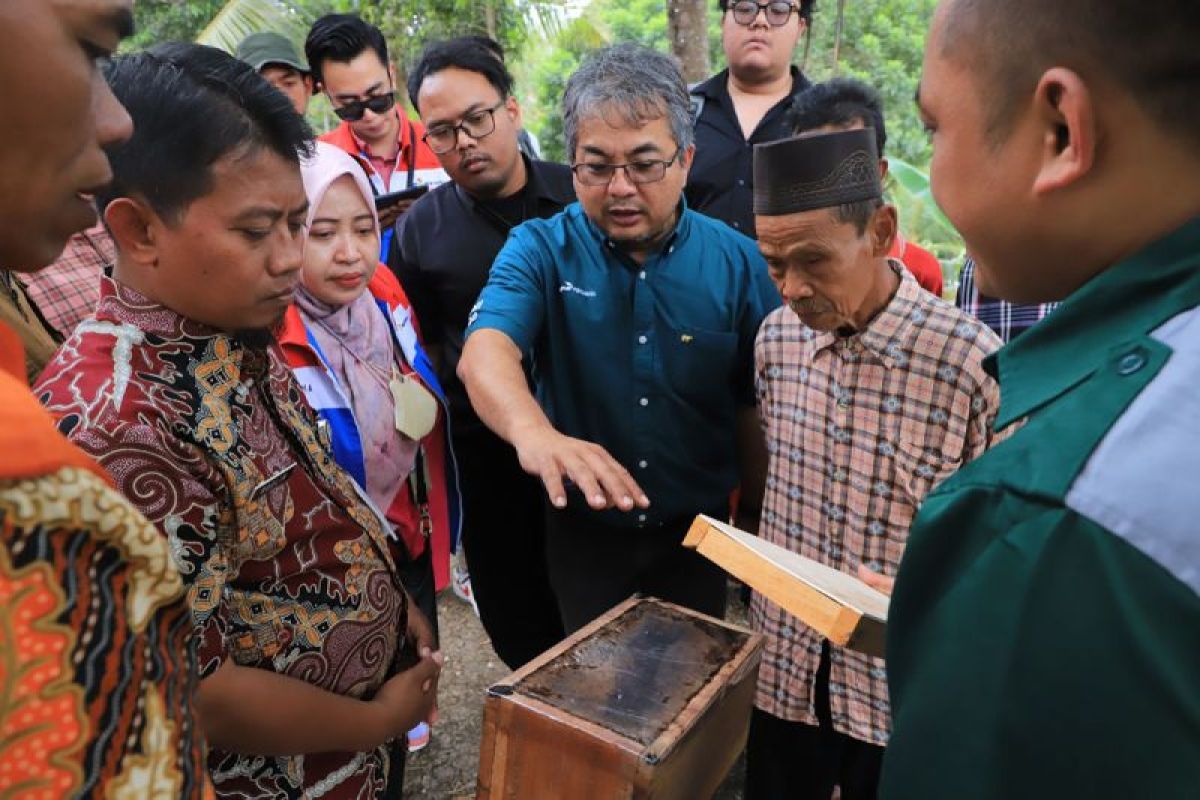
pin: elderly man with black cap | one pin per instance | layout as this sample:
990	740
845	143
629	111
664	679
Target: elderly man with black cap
870	391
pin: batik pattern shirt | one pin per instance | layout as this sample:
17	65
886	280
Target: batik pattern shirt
96	678
286	566
859	429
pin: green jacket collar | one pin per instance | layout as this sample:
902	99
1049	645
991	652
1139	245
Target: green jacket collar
1118	306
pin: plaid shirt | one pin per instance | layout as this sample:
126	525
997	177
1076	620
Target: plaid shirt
67	291
859	429
1006	319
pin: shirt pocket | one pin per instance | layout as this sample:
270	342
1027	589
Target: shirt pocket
925	456
698	364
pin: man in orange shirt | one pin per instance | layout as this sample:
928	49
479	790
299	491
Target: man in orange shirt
349	59
845	104
93	626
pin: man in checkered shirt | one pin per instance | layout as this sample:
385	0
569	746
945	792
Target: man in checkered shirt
870	392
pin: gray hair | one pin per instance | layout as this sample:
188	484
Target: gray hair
634	82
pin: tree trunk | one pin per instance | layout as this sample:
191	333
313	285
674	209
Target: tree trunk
489	18
687	26
837	36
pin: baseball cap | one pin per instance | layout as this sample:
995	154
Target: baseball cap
260	49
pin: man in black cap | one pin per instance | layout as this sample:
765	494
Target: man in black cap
277	60
870	391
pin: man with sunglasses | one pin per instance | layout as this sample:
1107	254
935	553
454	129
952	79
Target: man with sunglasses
745	104
349	59
639	316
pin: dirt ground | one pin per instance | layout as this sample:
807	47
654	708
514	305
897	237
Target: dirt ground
446	769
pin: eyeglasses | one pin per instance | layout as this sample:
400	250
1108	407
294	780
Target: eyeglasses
778	13
635	171
478	124
355	109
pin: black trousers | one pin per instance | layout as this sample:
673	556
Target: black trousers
793	761
594	566
417	577
504	538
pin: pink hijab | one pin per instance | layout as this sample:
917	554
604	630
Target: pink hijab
356	342
328	163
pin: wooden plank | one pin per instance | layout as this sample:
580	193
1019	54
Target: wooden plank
839	606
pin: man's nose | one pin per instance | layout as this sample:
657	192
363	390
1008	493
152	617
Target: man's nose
620	185
113	123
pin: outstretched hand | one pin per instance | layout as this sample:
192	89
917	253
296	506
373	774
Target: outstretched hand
554	457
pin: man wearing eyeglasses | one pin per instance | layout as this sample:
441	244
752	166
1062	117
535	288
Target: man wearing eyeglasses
745	104
639	316
442	252
349	59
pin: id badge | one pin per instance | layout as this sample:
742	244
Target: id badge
416	407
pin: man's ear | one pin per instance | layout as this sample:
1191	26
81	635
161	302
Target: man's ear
1066	116
882	230
132	224
884	166
514	112
685	158
311	83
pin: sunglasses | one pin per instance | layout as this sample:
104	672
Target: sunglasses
376	103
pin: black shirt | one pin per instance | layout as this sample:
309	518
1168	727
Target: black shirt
442	251
721	182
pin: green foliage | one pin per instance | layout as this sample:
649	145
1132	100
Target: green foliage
170	20
883	42
407	24
240	18
920	218
547	81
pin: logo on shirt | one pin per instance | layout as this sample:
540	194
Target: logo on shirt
570	287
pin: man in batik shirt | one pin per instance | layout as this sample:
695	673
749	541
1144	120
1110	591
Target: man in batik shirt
96	679
303	629
871	391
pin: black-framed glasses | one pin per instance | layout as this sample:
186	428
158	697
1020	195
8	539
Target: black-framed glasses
648	171
376	103
478	124
778	12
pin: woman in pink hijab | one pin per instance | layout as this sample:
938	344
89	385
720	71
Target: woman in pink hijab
353	344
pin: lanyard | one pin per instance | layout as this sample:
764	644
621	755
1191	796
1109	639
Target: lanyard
411	174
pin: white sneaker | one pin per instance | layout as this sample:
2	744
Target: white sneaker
418	737
460	580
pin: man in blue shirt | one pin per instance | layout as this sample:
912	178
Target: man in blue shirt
639	317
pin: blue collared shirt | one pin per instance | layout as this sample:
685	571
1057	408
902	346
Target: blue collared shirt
651	361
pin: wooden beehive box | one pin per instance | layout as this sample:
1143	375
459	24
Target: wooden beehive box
651	700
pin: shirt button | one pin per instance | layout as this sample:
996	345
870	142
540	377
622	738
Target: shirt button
741	182
737	225
642	339
643	464
644	402
642	274
641	517
1132	361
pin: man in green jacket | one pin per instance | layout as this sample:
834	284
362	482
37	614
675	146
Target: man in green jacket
1045	630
